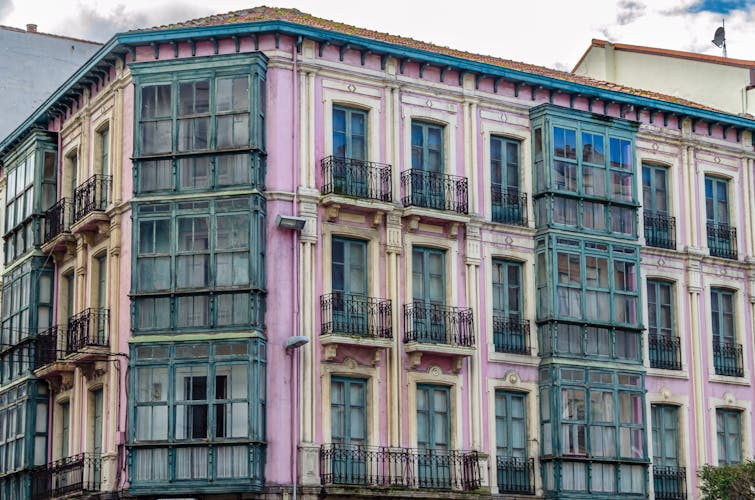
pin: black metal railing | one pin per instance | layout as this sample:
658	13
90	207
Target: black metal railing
359	178
75	474
670	483
438	324
511	335
434	190
516	475
665	352
727	359
90	196
660	230
357	315
722	240
88	328
57	219
509	205
342	464
48	350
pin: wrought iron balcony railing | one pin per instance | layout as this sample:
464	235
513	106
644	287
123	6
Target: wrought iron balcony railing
435	190
358	178
727	359
722	240
516	475
438	324
670	483
665	352
57	219
356	315
509	205
90	196
660	230
342	464
47	346
511	335
88	328
76	474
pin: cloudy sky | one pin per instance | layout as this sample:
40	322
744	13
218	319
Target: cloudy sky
551	33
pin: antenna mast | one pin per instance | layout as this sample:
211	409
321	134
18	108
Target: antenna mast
723	26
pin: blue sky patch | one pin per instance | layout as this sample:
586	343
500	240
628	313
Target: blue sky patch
721	6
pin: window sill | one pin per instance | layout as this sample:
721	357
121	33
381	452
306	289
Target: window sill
662	373
506	357
724	379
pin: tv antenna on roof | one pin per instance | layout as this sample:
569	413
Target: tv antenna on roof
719	38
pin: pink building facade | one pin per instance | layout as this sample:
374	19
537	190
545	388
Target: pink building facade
310	258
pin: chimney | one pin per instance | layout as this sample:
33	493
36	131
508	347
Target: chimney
31	28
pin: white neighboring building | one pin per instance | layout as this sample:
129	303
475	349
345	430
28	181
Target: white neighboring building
722	83
33	65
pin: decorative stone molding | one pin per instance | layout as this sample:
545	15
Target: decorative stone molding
415	358
331	213
330	353
377	218
413	224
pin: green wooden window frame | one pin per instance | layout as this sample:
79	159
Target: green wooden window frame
665	429
511	424
103	144
429	275
576	340
30	190
655	185
508	289
593	430
200	264
729	436
433	417
198	414
350	138
27	299
723	318
587	216
428	143
589	280
349	266
200	124
717	203
505	173
23	427
660	300
65	429
348	411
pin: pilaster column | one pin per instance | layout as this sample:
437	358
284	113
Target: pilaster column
307	300
393	282
472	260
697	364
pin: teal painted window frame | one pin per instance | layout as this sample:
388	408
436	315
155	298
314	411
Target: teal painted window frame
27	447
665	430
578	341
503	288
426	294
656	307
715	213
27	300
651	190
158	364
586	199
351	138
350	264
25	202
351	465
599	400
510	427
421	147
237	164
729	436
720	332
577	256
165	296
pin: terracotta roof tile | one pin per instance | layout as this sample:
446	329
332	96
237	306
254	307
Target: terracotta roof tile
264	13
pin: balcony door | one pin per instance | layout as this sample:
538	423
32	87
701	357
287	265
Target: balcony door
725	358
348	421
99	316
350	152
717	215
428	186
429	294
504	180
508	334
511	442
666	474
434	436
655	205
96	470
349	283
